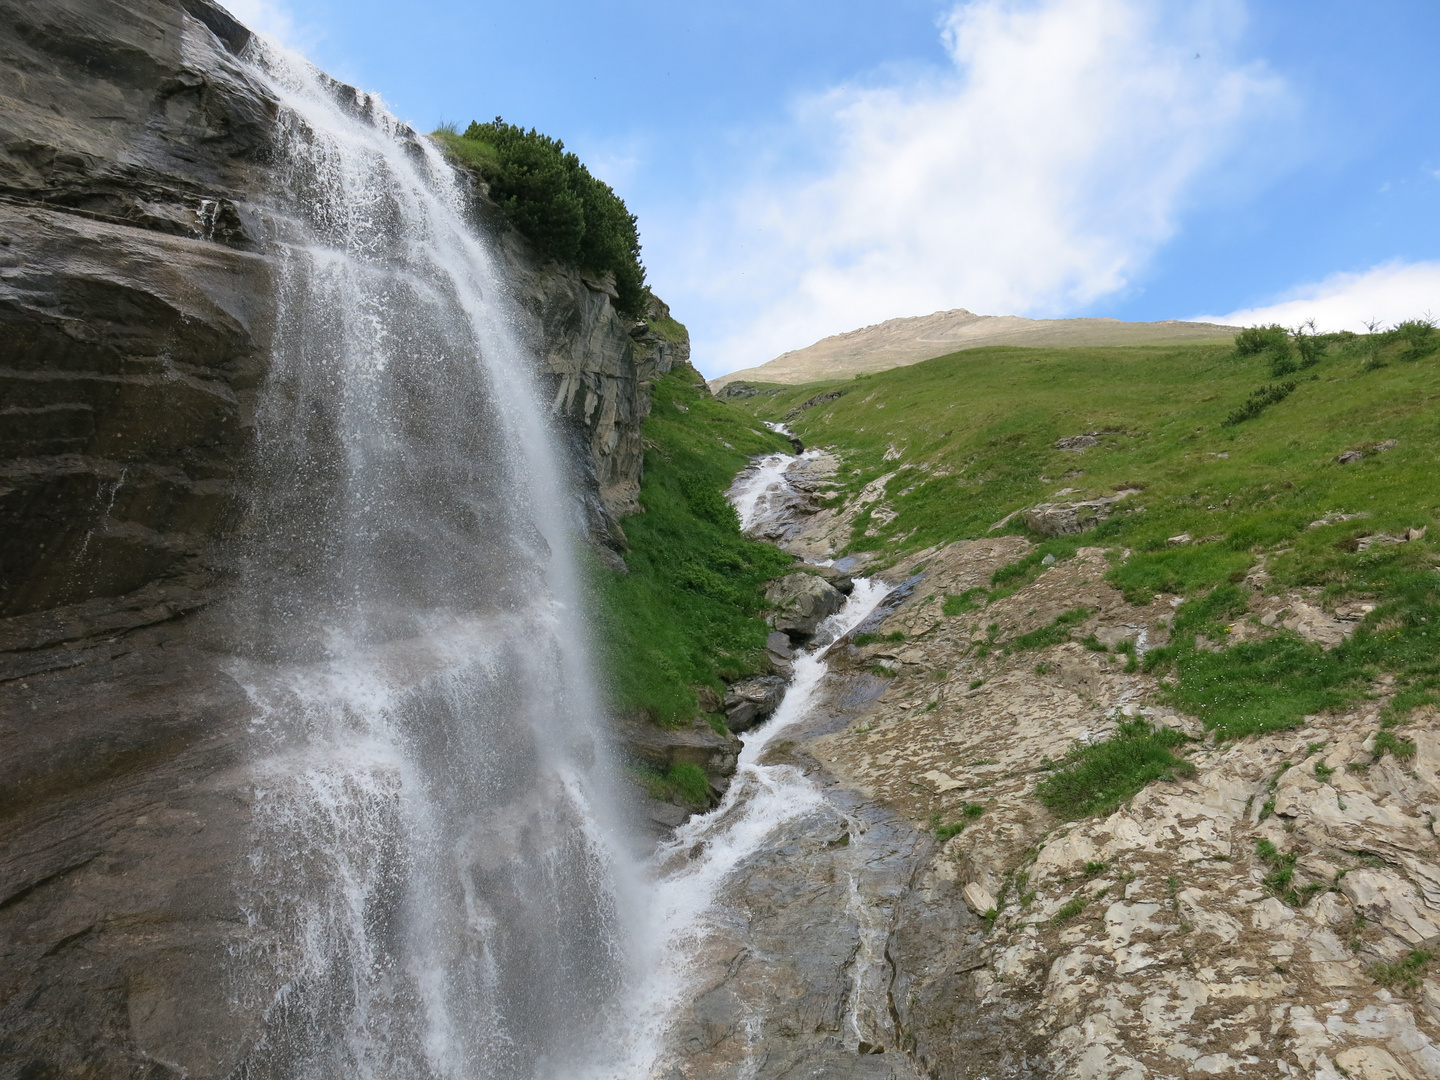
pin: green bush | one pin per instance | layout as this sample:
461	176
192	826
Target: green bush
1257	340
1258	401
551	198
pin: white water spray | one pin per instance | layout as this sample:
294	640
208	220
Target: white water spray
436	871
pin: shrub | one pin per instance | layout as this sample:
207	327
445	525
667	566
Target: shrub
1420	338
551	198
1258	402
1256	340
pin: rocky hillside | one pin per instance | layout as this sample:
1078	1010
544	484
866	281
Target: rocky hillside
136	267
1132	777
898	342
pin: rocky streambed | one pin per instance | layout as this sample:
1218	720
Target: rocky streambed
1272	915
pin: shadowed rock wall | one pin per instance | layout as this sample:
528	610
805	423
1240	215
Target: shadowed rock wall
135	304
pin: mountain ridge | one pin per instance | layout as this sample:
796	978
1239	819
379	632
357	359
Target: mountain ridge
909	340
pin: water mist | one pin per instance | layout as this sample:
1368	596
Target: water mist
435	865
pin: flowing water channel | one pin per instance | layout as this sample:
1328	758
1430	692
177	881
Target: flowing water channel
439	867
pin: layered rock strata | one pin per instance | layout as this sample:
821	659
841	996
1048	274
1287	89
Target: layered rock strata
137	246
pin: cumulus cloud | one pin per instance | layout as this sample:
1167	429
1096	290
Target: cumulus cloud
1036	174
1383	294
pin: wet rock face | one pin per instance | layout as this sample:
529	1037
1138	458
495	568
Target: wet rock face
792	977
749	702
135	307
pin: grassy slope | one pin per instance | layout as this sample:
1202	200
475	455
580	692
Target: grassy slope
687	612
978	430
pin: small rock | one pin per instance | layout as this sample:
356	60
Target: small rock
779	644
838	578
1181	539
1048	560
979	898
1350	455
1077	443
751	701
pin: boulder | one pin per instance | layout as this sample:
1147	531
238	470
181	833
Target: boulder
838	578
802	602
1066	519
778	652
752	701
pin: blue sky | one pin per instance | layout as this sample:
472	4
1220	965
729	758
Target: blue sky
803	168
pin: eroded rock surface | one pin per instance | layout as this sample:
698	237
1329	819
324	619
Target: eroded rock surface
1273	915
137	249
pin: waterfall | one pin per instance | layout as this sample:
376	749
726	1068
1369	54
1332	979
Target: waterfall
436	866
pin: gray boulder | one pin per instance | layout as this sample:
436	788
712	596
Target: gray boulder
748	703
802	602
838	578
1066	519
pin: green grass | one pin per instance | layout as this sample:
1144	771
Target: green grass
872	639
969	600
1403	973
975	434
684	783
1057	631
688	611
1095	779
1067	911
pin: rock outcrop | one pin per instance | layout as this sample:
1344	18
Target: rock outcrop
136	272
1069	519
1275	914
802	602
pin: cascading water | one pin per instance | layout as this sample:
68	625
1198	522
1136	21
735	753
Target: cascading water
691	868
435	869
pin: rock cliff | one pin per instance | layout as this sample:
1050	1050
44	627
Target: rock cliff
135	299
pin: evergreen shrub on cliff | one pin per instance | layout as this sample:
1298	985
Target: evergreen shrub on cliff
688	612
553	200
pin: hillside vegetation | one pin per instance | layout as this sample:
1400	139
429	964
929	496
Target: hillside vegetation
1299	457
551	198
687	613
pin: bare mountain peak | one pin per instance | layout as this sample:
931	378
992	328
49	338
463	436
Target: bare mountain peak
897	342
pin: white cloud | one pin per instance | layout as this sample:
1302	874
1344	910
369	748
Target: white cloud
1036	175
1386	294
273	19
